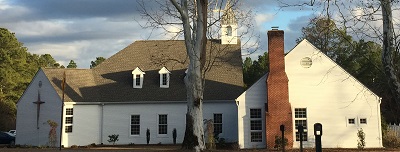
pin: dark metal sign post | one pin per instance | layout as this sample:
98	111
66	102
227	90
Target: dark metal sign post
318	134
282	128
301	131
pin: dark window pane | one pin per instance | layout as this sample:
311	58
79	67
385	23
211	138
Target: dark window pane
255	113
68	129
69	111
256	136
255	125
300	113
68	120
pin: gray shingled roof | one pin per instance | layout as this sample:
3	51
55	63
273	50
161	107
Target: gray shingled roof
111	81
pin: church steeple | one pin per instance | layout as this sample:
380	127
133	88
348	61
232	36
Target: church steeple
228	26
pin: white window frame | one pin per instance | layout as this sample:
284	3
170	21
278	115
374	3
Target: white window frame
300	117
257	118
69	115
353	119
138	74
130	131
361	122
159	124
218	123
164	71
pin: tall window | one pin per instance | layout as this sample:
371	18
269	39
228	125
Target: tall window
255	125
217	123
300	118
164	79
69	113
135	124
162	124
138	77
137	80
229	31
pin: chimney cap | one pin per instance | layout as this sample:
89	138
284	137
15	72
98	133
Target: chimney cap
275	27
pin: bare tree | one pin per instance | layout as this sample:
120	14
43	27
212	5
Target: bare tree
195	41
367	19
196	21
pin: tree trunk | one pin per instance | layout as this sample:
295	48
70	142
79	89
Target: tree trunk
195	47
389	49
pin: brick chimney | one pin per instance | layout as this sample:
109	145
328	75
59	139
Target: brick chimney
278	109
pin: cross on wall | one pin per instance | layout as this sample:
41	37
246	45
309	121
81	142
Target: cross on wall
38	103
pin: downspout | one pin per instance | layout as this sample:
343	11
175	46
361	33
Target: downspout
379	122
101	123
61	124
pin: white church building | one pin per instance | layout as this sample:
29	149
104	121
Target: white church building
141	88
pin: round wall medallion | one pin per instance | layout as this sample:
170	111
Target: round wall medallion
306	62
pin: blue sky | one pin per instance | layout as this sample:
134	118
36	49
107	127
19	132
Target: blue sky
82	30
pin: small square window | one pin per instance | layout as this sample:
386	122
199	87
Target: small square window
68	120
352	121
304	136
69	111
363	121
300	113
255	113
68	129
255	125
256	136
300	122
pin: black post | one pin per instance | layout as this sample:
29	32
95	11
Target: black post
282	128
318	134
301	131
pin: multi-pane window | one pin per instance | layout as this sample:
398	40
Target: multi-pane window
69	112
137	80
351	121
164	79
162	124
300	118
68	129
256	136
217	123
135	124
363	120
68	120
255	125
255	113
300	113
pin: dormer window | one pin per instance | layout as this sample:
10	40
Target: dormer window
164	77
138	76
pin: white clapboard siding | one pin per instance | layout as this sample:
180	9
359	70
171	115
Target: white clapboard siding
253	97
93	123
28	133
331	96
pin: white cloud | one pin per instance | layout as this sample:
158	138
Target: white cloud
39	28
262	18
